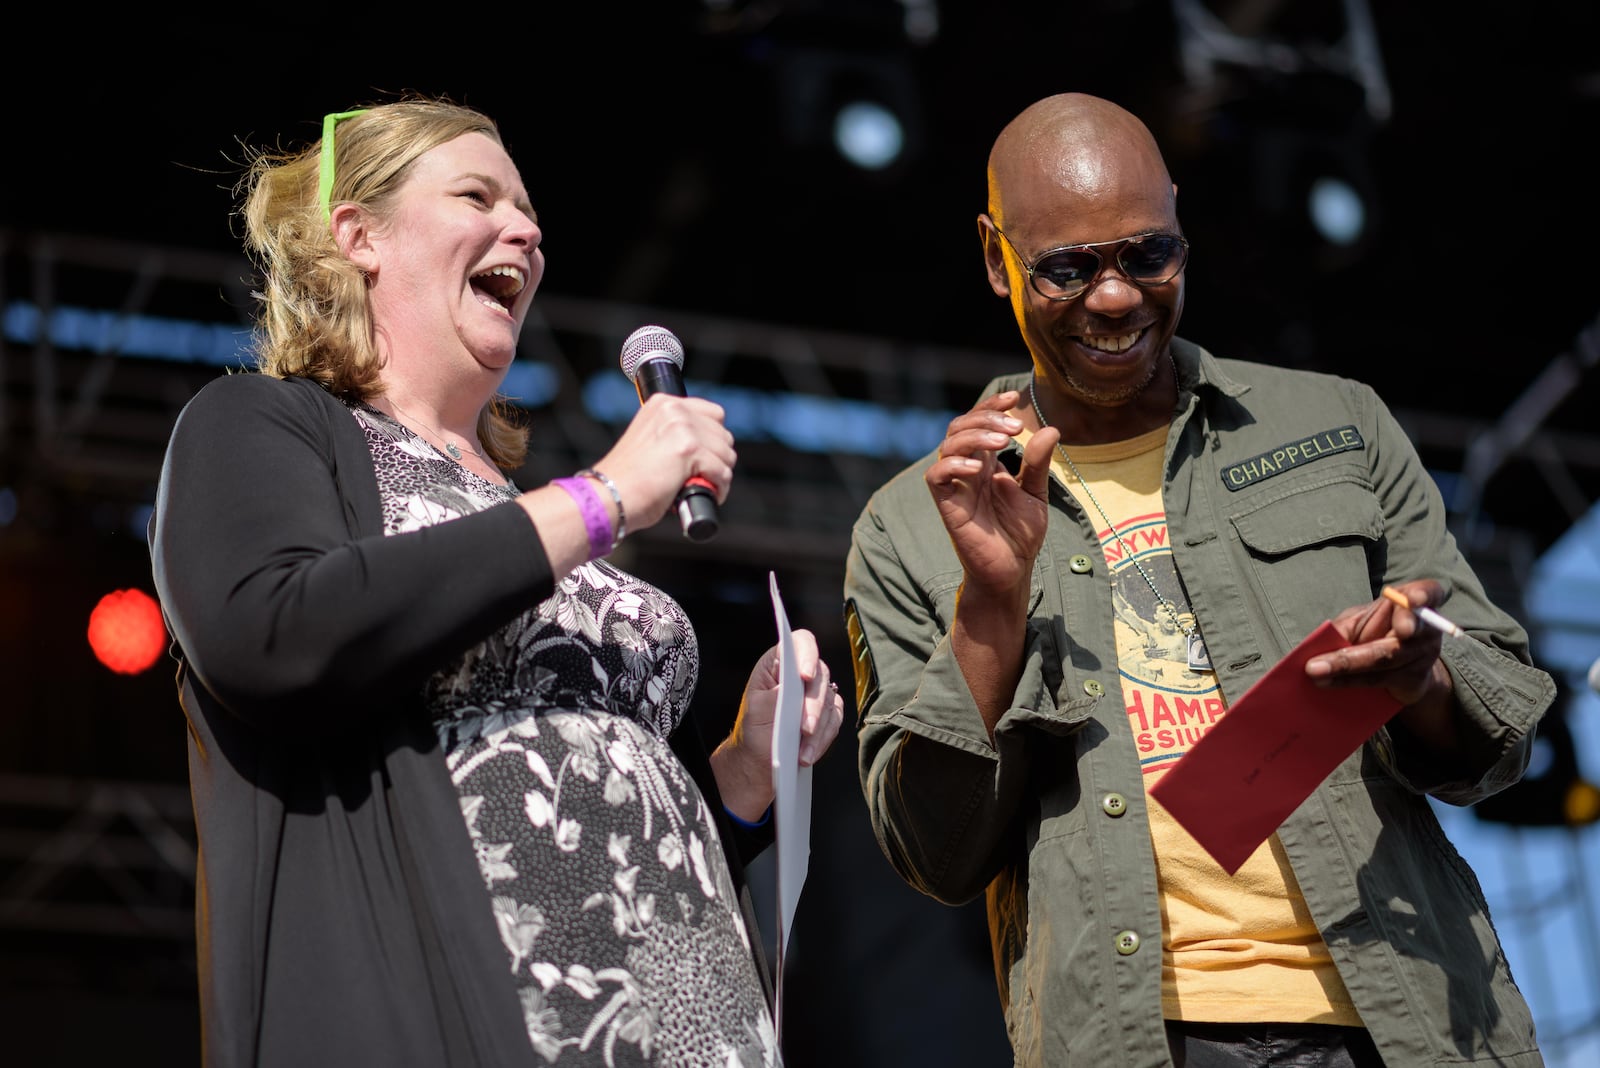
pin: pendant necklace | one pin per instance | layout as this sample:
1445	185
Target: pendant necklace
449	446
1199	658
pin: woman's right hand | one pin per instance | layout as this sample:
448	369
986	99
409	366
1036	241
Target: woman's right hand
671	440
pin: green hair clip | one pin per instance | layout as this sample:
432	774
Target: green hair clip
325	169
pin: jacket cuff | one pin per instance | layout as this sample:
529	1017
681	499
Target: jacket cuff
1499	701
943	709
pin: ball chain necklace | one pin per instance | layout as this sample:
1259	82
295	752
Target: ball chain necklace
1199	658
449	446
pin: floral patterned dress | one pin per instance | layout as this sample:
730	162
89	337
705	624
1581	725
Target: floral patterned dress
602	862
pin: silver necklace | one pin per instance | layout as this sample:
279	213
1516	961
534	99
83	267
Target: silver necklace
1199	658
449	446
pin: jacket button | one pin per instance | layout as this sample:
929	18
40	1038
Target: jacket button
1127	943
1093	688
1114	805
1080	564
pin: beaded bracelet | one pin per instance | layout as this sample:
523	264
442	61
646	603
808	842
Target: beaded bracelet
596	521
616	498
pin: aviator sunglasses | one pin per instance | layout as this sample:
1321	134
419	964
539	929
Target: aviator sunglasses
1065	273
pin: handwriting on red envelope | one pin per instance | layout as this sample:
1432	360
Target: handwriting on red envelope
1281	738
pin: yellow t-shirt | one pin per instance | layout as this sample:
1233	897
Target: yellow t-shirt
1234	949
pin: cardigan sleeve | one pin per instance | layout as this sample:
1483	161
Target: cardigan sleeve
291	612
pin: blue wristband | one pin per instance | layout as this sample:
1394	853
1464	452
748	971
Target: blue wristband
746	824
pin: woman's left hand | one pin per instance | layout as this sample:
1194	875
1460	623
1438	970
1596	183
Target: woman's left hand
743	762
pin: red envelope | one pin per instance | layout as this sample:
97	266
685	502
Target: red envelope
1268	752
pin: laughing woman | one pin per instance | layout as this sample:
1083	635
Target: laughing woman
452	806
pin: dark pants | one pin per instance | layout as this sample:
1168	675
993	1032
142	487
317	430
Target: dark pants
1221	1045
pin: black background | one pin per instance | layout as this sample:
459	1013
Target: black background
662	151
673	162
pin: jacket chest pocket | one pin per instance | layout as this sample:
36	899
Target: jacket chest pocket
1313	552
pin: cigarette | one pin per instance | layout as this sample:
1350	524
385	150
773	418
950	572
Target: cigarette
1427	615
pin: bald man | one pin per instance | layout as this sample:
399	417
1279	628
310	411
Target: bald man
1013	716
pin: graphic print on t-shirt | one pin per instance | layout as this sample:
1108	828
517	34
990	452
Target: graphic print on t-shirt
1169	706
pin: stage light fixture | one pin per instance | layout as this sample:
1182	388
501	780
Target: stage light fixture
1337	210
856	109
868	134
126	631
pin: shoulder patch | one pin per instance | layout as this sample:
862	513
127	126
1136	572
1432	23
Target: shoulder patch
866	672
1290	455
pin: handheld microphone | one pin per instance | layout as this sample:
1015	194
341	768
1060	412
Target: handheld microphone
652	358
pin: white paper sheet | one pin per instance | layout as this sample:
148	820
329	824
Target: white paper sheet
792	787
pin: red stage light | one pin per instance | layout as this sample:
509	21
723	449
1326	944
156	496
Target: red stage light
126	631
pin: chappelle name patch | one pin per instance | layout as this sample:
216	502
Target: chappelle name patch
1290	455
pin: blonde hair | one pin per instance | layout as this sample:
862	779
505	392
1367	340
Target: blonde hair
315	319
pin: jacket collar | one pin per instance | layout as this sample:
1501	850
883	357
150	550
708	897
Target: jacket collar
1196	368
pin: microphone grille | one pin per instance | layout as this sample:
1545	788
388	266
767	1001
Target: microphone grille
650	343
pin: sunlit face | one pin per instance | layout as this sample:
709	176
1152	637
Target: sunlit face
455	268
1106	345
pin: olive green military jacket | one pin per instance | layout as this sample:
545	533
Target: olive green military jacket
1290	496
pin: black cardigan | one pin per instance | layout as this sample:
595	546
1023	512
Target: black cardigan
340	913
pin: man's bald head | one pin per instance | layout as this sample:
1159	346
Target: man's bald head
1075	170
1072	143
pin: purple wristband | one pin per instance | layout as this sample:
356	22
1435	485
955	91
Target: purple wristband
596	521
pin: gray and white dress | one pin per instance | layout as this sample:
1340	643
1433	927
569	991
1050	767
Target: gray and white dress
602	861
